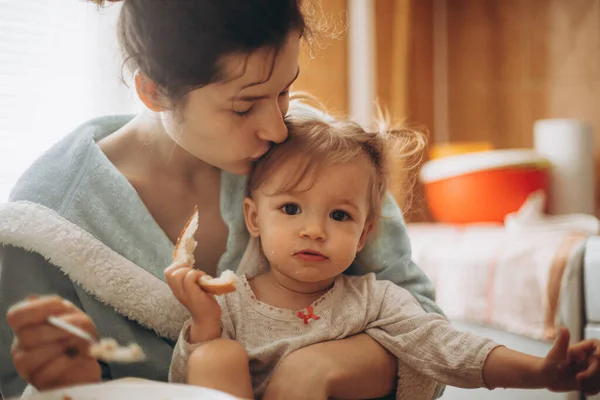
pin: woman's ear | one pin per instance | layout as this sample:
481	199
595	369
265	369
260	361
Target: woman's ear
148	92
364	236
251	217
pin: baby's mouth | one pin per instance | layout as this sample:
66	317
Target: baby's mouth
310	255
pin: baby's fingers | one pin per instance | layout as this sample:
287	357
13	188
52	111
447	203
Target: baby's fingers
580	352
592	359
593	369
590	386
195	291
176	266
174	275
190	283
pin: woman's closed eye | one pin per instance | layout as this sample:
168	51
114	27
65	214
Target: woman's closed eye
290	209
243	113
248	111
339	215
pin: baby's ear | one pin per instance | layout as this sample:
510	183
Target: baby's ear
251	217
364	236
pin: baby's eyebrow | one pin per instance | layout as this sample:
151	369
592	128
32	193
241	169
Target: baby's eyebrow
349	203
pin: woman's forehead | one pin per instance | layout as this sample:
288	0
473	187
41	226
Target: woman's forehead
265	70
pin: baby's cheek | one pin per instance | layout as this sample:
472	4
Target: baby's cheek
272	244
352	240
347	250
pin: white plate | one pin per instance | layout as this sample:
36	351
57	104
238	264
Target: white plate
132	391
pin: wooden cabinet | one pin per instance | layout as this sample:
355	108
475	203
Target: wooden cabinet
511	62
472	70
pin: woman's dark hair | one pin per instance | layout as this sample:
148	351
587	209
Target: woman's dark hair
179	44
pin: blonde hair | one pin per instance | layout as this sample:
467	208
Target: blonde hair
317	139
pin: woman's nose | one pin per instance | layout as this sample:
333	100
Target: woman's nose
272	128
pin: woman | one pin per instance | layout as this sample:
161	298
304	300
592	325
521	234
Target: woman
214	76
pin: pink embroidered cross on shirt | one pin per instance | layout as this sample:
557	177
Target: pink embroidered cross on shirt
308	315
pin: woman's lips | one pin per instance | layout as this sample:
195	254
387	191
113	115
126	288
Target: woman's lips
261	155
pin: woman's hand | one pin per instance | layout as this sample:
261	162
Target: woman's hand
206	312
48	357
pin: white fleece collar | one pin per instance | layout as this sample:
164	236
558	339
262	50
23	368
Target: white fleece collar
108	276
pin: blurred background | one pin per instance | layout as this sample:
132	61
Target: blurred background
464	70
467	70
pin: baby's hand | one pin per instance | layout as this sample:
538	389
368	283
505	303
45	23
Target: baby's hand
585	356
558	373
576	367
206	312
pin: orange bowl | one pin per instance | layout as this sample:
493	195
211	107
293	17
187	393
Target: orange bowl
441	150
482	187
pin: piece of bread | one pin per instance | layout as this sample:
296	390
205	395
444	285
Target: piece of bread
184	252
226	283
109	351
186	242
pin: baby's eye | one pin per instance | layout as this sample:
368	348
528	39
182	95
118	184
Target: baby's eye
290	209
339	215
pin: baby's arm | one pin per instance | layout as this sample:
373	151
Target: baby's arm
565	368
205	311
426	342
181	355
431	346
186	346
216	363
506	368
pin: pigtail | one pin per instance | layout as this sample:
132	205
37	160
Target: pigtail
403	153
304	105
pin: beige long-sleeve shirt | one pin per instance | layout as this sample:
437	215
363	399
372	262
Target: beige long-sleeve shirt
428	348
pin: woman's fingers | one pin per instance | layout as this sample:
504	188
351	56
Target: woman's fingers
36	311
52	373
32	336
29	362
44	355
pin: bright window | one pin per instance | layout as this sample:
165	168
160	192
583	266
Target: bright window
59	66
